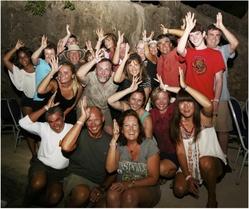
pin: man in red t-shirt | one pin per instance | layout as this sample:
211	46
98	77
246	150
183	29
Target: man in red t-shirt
169	61
205	66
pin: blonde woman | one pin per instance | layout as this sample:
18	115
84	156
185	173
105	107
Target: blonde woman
68	89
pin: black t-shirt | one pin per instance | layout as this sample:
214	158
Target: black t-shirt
89	158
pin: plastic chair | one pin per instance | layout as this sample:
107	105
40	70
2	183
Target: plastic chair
11	114
241	133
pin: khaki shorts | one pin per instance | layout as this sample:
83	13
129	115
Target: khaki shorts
223	121
73	180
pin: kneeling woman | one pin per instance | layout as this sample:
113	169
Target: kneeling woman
197	146
137	162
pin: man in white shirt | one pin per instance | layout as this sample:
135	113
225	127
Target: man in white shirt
47	171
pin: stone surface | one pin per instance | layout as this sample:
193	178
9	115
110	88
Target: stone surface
128	17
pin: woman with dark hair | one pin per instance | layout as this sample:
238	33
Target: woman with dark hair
132	66
136	102
137	162
22	75
197	146
68	90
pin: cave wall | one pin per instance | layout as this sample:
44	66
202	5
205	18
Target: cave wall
128	17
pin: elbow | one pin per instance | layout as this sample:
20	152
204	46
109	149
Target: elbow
110	169
66	148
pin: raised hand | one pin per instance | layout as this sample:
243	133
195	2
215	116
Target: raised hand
183	26
120	38
135	83
100	34
54	65
44	42
219	22
164	29
51	101
127	49
85	111
67	29
19	44
190	21
115	130
89	45
162	85
60	47
182	78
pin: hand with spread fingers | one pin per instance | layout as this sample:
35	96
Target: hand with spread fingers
135	83
51	103
190	21
19	44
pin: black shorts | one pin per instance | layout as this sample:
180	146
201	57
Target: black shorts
26	101
53	175
170	156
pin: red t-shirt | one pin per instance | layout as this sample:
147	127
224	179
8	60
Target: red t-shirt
202	65
168	68
161	128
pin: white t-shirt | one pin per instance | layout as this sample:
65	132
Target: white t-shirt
49	151
23	81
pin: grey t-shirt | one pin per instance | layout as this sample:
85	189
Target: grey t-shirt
133	170
89	158
225	96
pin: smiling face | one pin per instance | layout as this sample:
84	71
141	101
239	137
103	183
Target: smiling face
136	101
134	68
95	122
162	101
186	108
74	56
49	54
213	38
197	38
24	59
131	128
109	43
104	71
56	122
153	49
65	74
164	45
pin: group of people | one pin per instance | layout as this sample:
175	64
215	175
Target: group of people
113	121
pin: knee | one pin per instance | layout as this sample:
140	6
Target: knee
207	165
38	184
129	199
80	195
112	196
54	197
179	191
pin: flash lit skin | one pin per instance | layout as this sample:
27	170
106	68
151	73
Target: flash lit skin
74	56
197	38
153	49
95	123
130	128
49	54
164	46
136	101
134	68
24	59
103	72
56	122
162	102
72	41
108	42
213	38
65	74
186	109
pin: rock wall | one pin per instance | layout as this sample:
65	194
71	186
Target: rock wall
128	17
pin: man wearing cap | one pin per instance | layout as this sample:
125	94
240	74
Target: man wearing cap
74	55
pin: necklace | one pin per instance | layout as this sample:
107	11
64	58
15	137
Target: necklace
186	133
133	151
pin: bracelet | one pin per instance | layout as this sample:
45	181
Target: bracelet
113	144
46	107
215	100
188	177
79	122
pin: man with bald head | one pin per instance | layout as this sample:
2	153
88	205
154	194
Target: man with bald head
86	149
